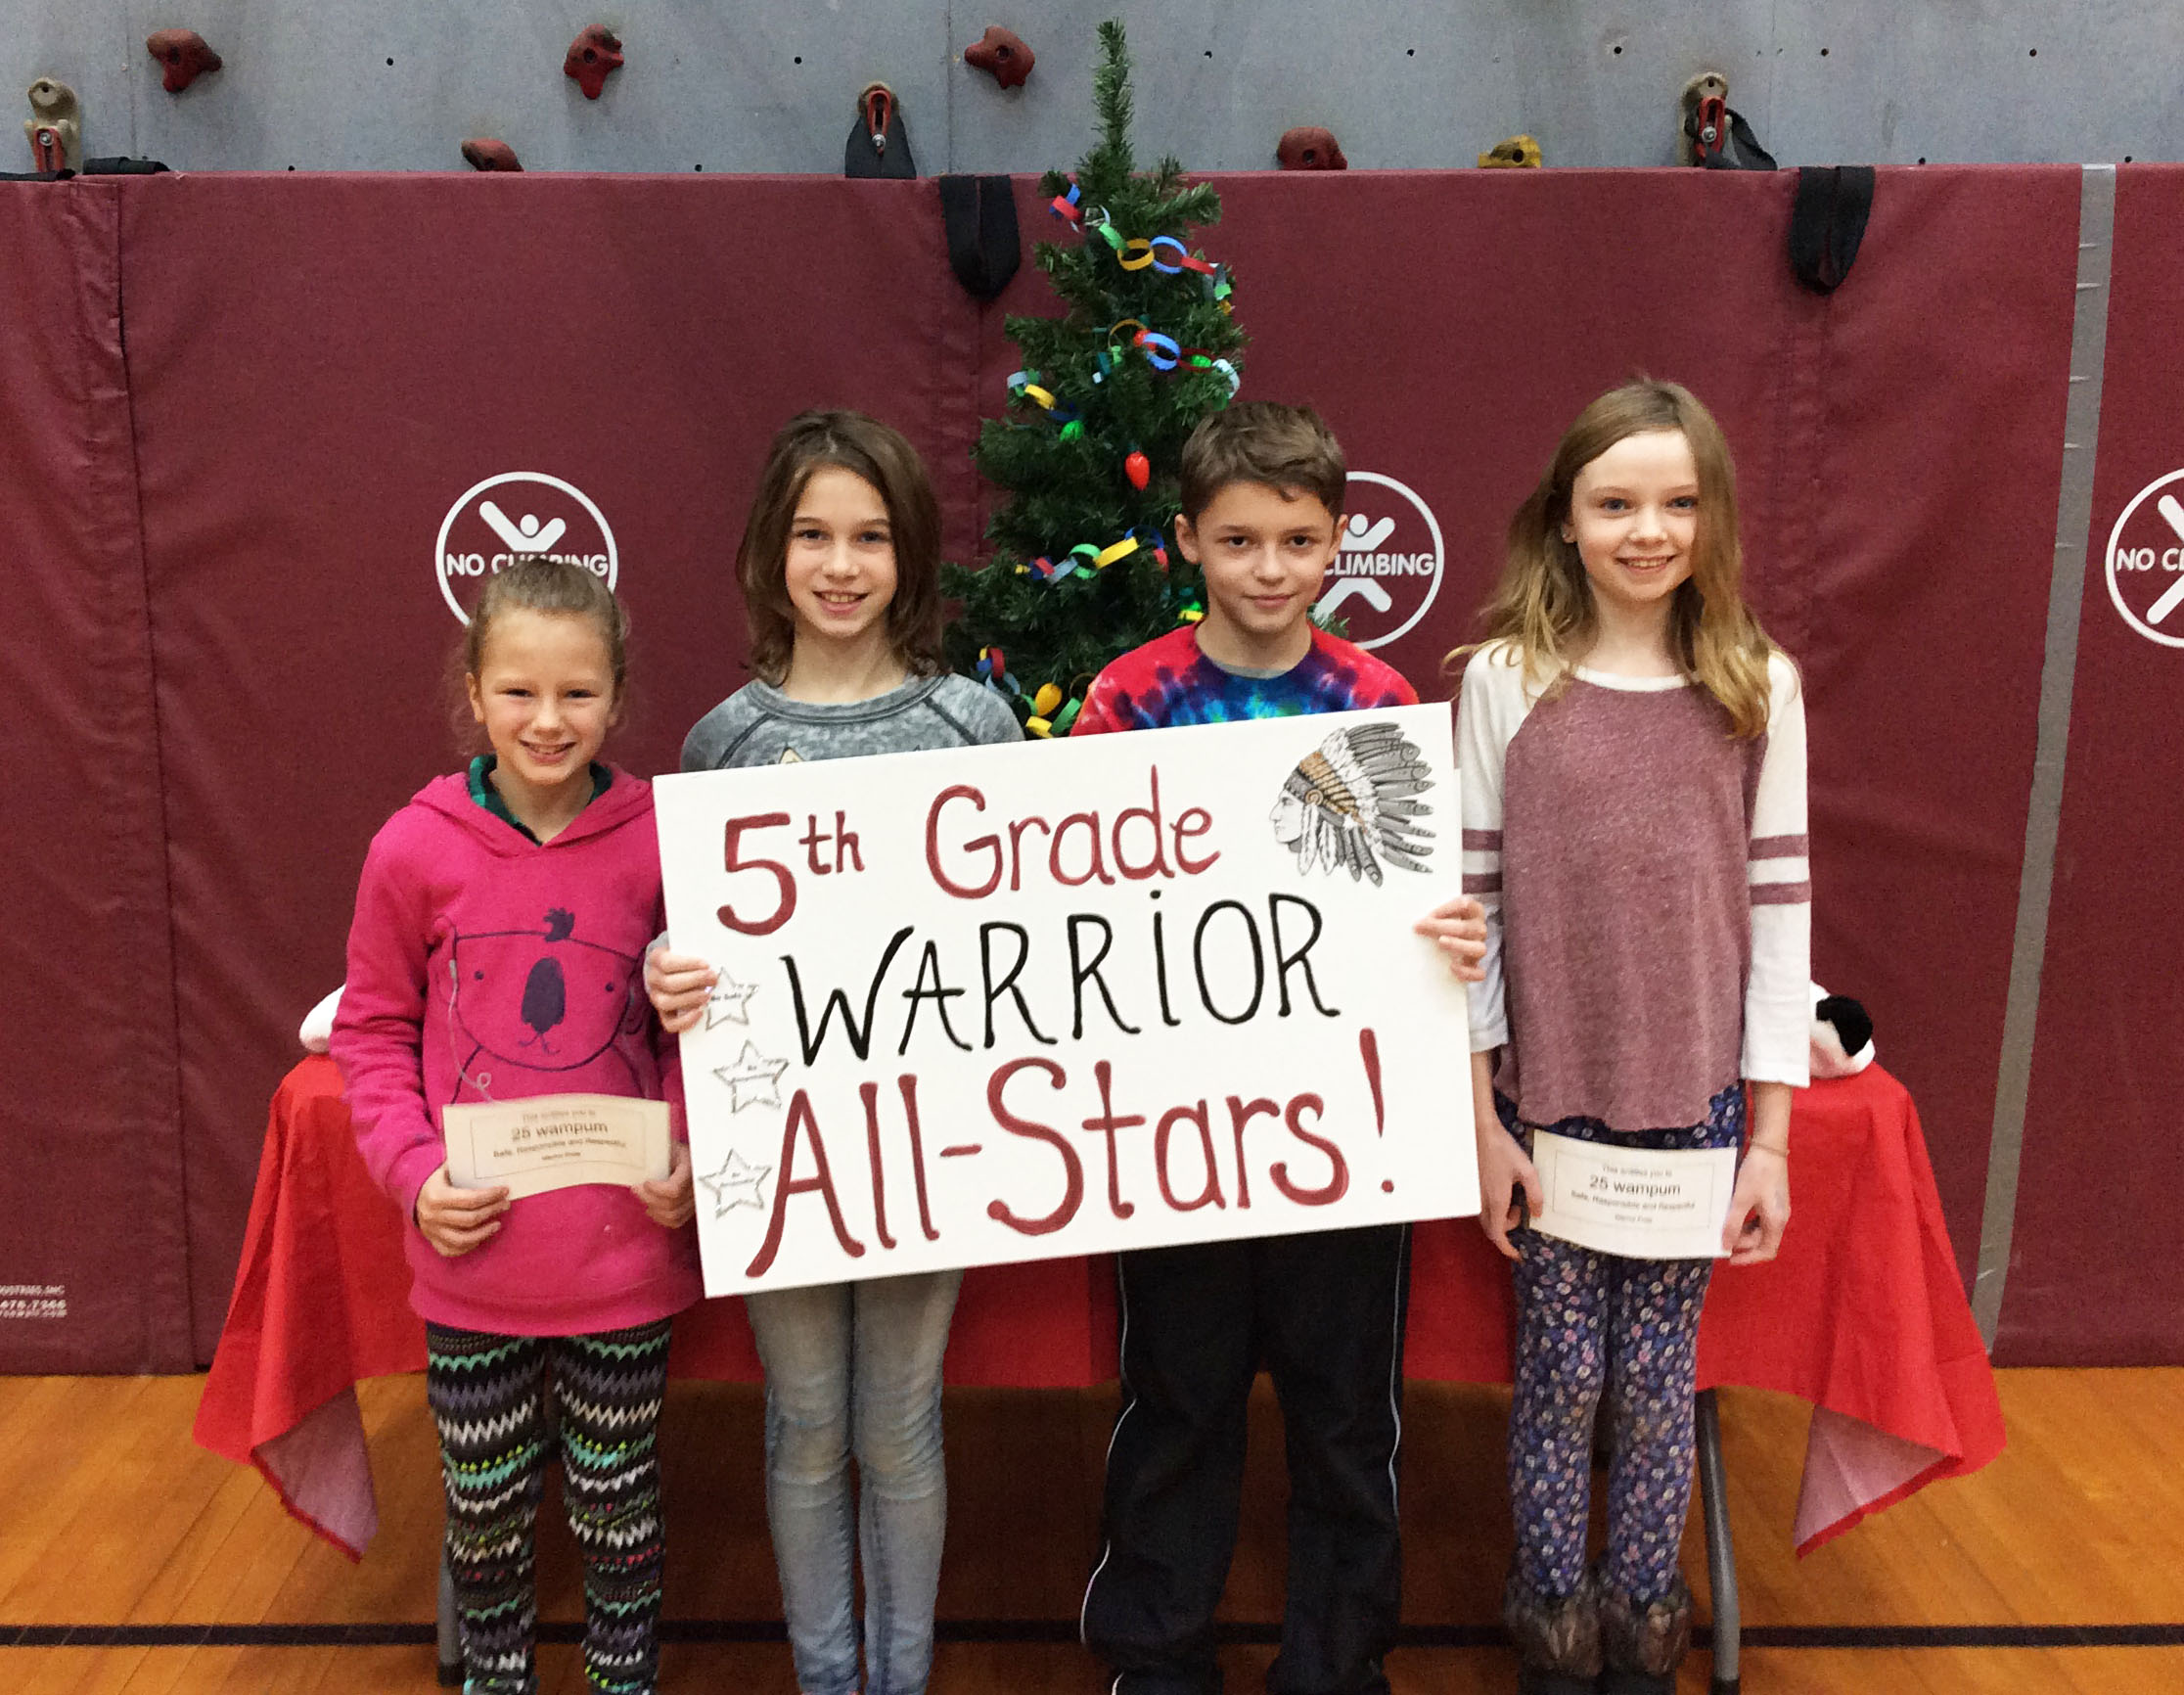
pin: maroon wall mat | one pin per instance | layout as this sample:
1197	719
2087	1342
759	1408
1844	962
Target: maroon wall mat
324	366
2096	1272
92	1268
1898	447
1921	527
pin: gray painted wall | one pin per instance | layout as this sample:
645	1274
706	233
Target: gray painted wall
737	85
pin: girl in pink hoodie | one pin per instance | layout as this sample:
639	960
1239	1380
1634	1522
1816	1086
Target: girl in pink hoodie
497	953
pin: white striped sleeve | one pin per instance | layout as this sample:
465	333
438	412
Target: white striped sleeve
1490	707
1778	994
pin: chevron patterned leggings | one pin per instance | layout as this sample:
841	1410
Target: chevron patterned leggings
504	1403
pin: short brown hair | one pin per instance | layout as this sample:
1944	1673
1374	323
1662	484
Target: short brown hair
1284	448
883	458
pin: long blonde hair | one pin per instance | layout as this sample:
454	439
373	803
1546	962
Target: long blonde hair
1543	605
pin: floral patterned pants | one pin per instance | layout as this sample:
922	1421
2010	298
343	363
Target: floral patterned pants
1589	1324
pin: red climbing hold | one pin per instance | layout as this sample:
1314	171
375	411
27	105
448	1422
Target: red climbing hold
1002	55
1310	149
184	55
489	153
595	52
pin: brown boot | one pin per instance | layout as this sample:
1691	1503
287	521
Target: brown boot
1557	1642
1642	1646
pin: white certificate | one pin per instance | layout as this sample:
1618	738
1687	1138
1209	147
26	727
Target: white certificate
1633	1202
552	1141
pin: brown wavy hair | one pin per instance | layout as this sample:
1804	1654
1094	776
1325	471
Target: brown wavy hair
1544	605
883	458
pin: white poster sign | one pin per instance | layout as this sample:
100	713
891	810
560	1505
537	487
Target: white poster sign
1021	1002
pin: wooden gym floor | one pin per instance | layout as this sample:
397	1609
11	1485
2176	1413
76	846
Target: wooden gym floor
130	1560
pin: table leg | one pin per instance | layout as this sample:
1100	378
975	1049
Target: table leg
450	1629
1722	1548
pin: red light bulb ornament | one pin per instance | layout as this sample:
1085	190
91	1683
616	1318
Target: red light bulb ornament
1138	469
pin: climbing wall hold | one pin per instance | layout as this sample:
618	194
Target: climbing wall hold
596	51
874	107
1310	149
1713	134
879	145
184	56
55	126
1702	115
489	153
1518	153
1002	55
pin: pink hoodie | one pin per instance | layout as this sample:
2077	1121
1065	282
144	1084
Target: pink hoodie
482	966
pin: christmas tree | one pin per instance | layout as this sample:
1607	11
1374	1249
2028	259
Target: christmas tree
1084	565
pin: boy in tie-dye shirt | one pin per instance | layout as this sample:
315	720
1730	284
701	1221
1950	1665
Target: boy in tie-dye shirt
1261	511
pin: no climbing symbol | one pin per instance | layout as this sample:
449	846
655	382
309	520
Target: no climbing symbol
1388	561
2146	561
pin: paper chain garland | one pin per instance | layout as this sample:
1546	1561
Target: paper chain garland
1161	351
1024	386
1045	720
993	671
1136	253
1088	557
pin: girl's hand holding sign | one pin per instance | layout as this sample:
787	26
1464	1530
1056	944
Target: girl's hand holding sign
679	986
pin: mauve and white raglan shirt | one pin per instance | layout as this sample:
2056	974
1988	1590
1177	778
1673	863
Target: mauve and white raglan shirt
1646	886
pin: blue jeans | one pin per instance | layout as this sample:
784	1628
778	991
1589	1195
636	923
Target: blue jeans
856	1368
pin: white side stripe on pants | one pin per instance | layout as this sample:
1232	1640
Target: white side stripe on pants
1129	1401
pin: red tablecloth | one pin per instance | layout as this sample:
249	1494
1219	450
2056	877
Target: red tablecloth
1862	1315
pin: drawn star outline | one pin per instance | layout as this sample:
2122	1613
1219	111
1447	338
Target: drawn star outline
730	1002
755	1073
738	1183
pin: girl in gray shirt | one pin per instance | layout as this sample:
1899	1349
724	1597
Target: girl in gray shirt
840	570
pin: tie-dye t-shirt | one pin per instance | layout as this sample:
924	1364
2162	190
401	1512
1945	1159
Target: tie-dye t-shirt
1169	683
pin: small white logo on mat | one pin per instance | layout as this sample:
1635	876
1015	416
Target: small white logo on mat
2146	561
508	517
1389	560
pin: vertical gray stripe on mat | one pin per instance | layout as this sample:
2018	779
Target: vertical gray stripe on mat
2074	517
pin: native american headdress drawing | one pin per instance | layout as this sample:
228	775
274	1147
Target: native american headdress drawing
1353	802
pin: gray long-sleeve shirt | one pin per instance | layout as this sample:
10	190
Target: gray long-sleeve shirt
759	725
